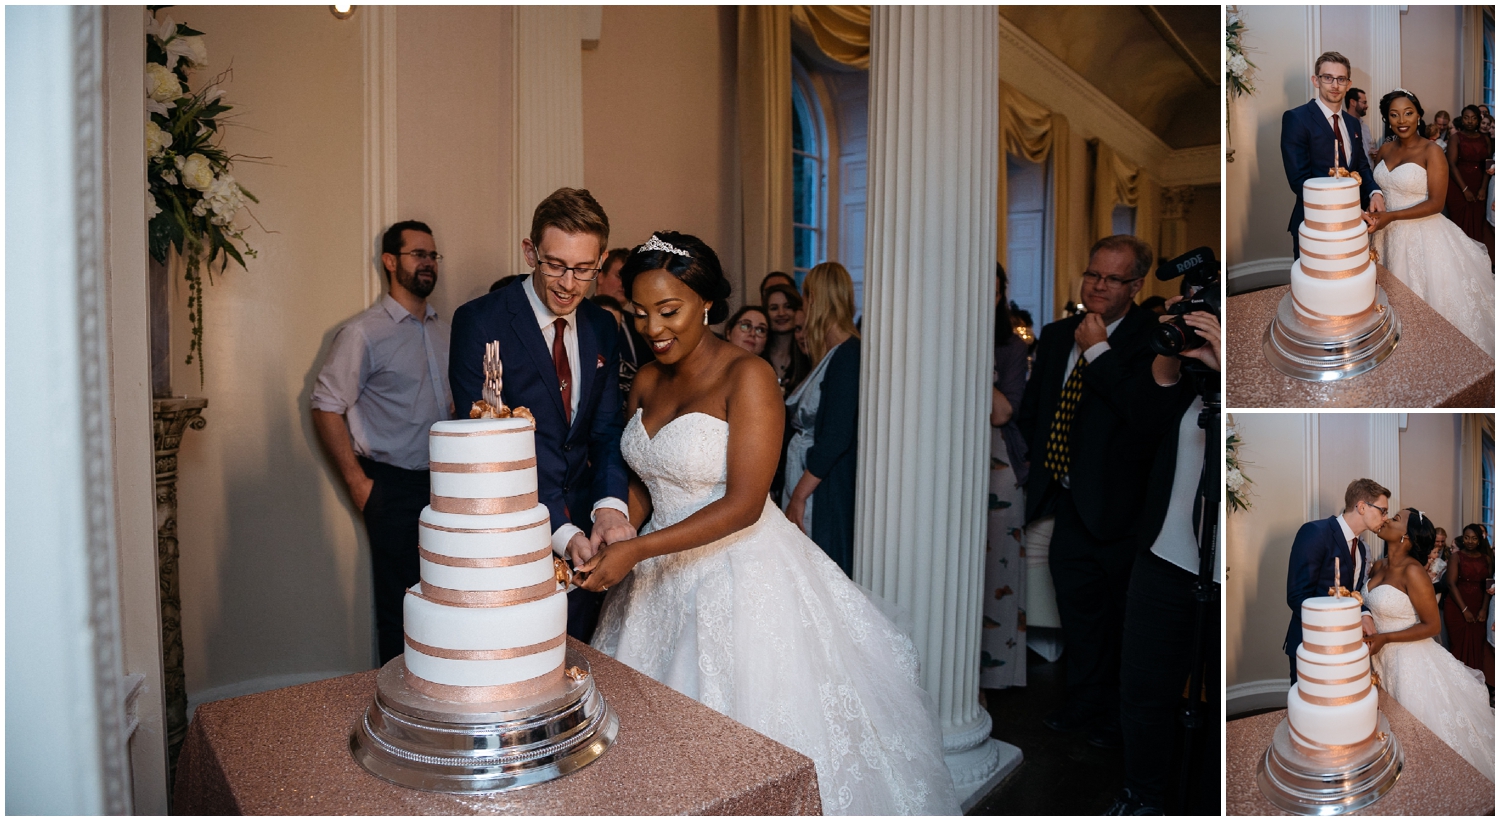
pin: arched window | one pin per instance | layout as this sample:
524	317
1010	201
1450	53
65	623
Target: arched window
809	180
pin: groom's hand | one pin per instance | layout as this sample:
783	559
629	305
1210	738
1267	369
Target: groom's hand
581	549
1368	624
1377	202
610	526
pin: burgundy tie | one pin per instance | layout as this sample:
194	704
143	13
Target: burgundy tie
564	370
1338	137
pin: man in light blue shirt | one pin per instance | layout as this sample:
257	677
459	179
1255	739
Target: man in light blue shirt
384	384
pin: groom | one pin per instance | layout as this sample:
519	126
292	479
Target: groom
1310	570
559	358
1321	135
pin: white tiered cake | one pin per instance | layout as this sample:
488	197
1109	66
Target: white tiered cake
1334	278
1333	704
488	620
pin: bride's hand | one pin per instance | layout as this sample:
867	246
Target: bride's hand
795	510
1376	642
613	563
1378	220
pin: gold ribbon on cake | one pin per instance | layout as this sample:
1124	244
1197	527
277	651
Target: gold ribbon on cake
1344	172
1342	591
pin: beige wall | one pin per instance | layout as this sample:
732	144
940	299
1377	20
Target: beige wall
1430	58
1429	467
659	126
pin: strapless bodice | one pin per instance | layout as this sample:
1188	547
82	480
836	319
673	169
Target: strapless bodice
1391	609
1404	187
685	466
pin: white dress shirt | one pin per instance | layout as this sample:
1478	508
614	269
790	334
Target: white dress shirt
1353	549
546	320
1348	143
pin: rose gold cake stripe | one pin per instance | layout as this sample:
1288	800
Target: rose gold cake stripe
481	467
1331	681
470	695
1331	651
1299	737
1301	660
526	429
492	561
430	526
486	598
1332	226
1346	318
1363	252
1317	274
1354	204
486	655
1306	626
484	507
1333	702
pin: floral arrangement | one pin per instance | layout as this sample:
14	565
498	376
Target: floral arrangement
192	198
1237	67
1235	481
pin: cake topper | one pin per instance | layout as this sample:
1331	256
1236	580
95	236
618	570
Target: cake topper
490	406
1338	590
1340	171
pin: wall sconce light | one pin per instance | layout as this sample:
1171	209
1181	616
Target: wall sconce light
342	12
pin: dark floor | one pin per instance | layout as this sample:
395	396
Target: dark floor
1063	774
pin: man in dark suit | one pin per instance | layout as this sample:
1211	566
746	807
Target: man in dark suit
1311	144
1309	569
1088	476
561	360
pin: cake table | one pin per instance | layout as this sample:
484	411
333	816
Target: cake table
1434	365
1435	780
286	752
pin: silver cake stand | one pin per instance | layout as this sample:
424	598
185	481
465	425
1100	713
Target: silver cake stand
1321	351
1329	785
443	746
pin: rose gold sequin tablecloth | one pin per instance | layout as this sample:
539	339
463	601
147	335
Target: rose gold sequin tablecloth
1433	366
286	752
1435	780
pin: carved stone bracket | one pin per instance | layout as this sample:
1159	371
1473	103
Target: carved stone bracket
170	418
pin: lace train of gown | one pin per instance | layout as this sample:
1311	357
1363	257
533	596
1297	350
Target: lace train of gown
1433	685
763	627
1434	258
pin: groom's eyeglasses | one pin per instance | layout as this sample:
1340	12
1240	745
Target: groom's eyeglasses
1384	511
1330	80
557	270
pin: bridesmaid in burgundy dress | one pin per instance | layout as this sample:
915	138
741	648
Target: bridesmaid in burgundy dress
1466	607
1468	149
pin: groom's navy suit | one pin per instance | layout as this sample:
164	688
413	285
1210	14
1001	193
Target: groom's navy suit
1309	573
1308	150
579	463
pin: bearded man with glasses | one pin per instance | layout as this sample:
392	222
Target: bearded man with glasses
560	358
1321	135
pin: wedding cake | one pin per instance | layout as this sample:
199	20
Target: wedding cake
1333	704
1334	278
488	620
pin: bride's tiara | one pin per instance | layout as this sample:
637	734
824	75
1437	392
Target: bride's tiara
656	244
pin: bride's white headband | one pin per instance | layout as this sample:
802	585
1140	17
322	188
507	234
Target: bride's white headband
656	244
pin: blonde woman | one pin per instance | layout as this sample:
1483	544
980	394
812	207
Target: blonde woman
818	494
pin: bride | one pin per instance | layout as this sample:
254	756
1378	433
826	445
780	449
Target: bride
721	597
1419	245
1413	668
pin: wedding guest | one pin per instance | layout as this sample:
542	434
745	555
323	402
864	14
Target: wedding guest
610	304
1087	477
819	490
385	382
504	281
775	278
791	364
1467	607
748	328
1442	123
608	282
1357	104
1437	564
799	335
1467	151
1002	656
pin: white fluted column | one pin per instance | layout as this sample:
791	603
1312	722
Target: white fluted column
548	53
1385	71
920	515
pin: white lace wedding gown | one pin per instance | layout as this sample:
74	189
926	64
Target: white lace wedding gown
1434	258
1433	685
763	627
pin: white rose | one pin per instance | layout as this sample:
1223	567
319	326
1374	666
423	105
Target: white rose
1233	18
152	209
192	49
157	140
161	84
196	172
1235	479
1237	65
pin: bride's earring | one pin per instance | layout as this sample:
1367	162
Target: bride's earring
705	316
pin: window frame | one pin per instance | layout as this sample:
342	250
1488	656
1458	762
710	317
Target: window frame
816	132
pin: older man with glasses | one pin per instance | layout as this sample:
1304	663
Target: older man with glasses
1321	135
383	385
1087	479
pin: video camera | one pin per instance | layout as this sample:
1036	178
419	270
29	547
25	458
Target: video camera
1200	272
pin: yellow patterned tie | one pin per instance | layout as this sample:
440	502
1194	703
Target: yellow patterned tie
1057	458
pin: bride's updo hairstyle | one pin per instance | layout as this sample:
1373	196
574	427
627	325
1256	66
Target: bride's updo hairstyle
1422	533
690	260
1385	112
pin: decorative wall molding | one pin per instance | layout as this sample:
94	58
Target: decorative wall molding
1314	45
1385	463
1036	72
89	193
1310	467
1385	73
1191	166
378	34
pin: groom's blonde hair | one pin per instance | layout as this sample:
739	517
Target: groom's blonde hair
1332	57
1363	490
